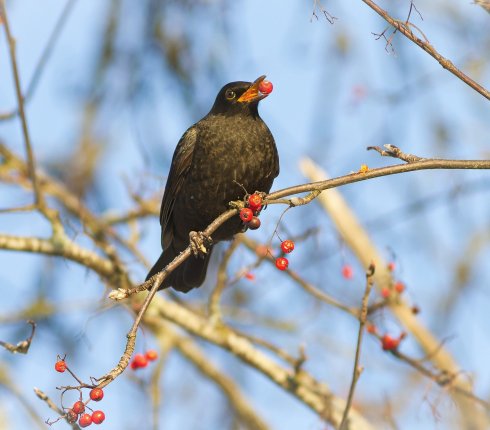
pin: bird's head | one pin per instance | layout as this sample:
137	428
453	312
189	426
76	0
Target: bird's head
239	96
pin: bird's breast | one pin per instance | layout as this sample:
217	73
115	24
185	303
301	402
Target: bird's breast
233	156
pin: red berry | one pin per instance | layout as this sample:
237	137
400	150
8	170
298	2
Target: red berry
133	365
98	417
246	214
140	360
347	271
265	87
151	355
255	202
85	420
371	328
250	276
71	416
60	366
389	343
254	223
282	263
385	292
287	246
96	394
78	407
391	266
399	287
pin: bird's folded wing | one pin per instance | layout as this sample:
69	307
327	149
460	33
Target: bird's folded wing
181	162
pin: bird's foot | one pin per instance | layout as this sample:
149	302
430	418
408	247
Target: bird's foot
199	243
237	204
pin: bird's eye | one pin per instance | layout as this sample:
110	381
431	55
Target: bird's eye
230	94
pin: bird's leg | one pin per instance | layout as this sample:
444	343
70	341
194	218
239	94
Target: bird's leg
237	204
199	243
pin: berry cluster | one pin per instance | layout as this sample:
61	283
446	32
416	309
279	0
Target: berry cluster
287	246
141	360
249	215
78	411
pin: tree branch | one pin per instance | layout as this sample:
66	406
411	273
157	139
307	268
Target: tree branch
302	385
31	161
359	242
362	321
404	28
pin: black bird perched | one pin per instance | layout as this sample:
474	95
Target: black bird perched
227	153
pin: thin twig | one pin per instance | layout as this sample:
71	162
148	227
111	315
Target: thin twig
31	161
357	370
45	55
39	393
424	164
395	152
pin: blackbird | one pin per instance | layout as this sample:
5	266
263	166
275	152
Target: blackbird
227	154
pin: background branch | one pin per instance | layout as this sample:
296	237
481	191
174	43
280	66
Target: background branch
404	28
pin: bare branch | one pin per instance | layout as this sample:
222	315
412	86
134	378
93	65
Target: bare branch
48	49
301	384
424	164
357	370
20	102
404	28
43	396
59	246
360	243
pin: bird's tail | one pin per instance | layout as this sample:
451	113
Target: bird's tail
190	274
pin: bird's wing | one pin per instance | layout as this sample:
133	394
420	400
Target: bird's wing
181	162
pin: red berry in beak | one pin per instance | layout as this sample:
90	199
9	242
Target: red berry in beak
265	87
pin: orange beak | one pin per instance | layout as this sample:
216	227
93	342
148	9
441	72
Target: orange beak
253	93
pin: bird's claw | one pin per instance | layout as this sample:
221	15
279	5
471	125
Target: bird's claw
199	243
237	204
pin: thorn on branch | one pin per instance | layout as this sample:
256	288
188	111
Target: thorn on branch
23	346
395	152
